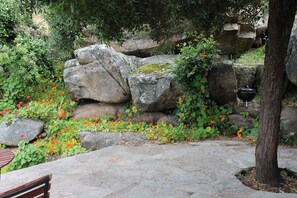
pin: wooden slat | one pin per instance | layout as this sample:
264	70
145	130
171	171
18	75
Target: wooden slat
5	157
32	189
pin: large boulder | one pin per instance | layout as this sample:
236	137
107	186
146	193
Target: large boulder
236	38
222	83
97	110
291	65
12	132
153	87
99	73
289	120
245	75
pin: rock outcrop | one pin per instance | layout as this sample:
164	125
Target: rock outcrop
99	73
143	47
12	132
245	75
236	38
291	65
222	83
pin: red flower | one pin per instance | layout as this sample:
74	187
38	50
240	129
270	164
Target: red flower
4	111
203	54
19	104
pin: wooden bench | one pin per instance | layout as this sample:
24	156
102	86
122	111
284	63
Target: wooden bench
37	188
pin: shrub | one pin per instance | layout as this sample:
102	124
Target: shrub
8	20
26	64
195	108
28	155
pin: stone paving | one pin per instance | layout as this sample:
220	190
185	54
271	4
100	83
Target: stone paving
200	169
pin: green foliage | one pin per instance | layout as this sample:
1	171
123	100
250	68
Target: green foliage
167	133
8	20
288	139
131	110
195	108
162	18
194	61
253	57
290	100
28	155
26	64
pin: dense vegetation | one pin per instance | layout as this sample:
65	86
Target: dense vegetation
31	85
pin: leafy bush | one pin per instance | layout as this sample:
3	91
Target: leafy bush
28	155
195	108
26	64
194	61
8	20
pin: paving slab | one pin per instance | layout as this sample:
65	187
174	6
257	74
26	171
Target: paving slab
199	169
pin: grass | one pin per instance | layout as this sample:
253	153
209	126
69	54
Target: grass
252	57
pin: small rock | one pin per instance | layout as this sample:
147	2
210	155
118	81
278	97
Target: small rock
173	120
99	140
12	132
240	121
98	110
148	117
252	111
289	120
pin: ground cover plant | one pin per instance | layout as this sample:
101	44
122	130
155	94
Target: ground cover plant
253	57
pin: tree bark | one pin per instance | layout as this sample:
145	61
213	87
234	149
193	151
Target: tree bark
281	18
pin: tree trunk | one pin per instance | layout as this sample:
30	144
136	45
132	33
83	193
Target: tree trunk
281	18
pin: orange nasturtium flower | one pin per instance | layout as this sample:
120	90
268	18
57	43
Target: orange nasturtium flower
69	143
238	133
180	101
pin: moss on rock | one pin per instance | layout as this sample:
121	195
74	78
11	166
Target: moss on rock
152	68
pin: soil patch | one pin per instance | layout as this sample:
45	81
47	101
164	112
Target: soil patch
288	181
